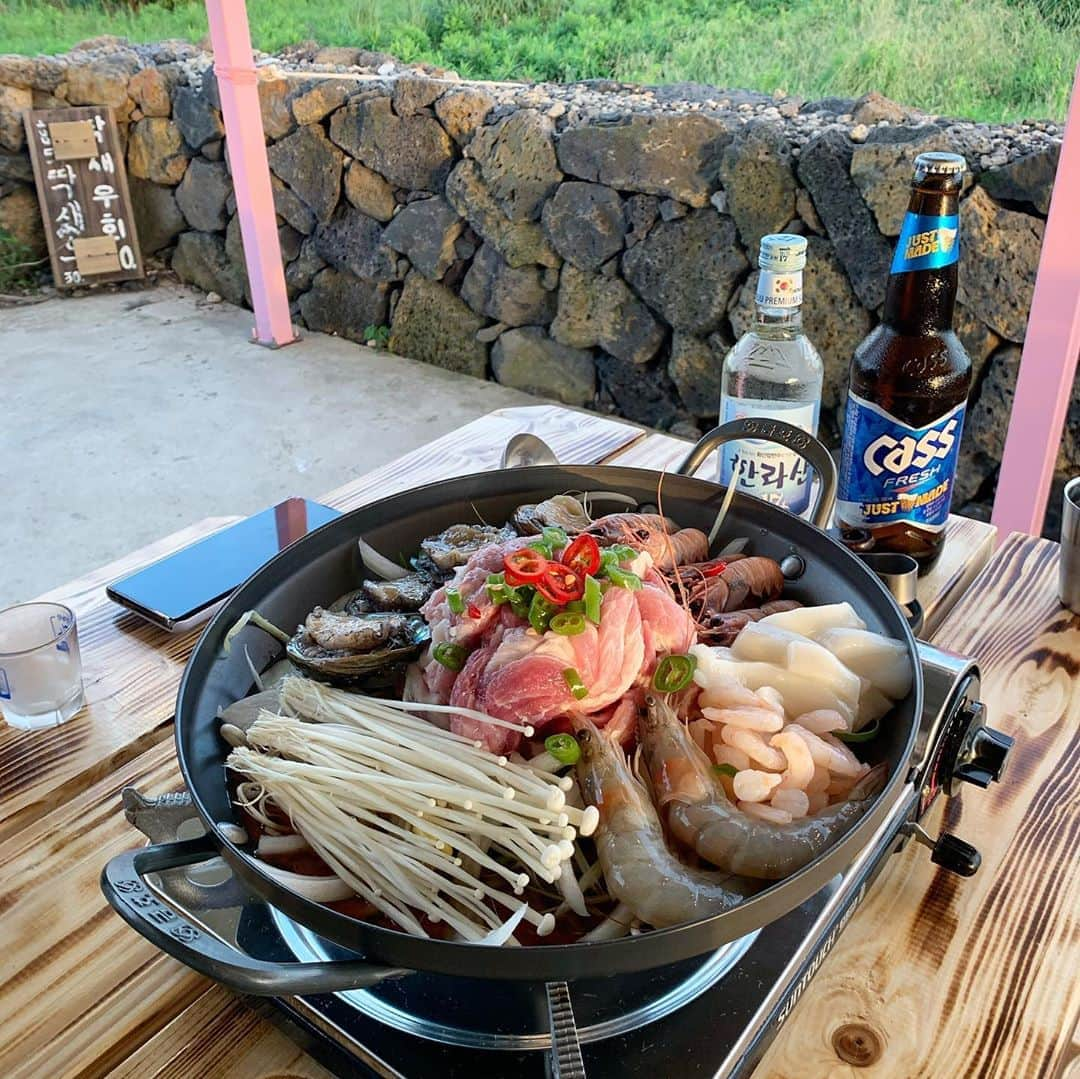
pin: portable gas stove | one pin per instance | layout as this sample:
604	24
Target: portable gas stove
633	1025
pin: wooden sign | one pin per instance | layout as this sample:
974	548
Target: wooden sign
83	192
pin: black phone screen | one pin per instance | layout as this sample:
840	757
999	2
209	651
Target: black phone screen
184	583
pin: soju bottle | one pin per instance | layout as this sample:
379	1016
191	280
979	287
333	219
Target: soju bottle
773	372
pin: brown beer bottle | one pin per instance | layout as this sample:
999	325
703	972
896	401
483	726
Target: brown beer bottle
909	385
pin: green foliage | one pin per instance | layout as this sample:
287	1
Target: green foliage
379	334
984	59
18	267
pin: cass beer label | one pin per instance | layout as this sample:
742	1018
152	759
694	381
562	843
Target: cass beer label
927	243
892	472
778	291
766	470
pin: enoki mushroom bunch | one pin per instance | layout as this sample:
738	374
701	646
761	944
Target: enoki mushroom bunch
409	815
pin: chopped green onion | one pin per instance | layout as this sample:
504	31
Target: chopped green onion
564	748
724	770
624	578
555	538
450	655
540	612
568	624
593	599
456	603
574	683
868	734
674	673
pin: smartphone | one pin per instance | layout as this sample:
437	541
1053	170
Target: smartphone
187	587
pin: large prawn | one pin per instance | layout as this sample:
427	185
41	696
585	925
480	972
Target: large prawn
639	869
700	815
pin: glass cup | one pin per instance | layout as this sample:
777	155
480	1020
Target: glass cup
40	670
1069	555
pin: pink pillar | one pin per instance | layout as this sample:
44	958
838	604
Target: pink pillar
1051	348
234	66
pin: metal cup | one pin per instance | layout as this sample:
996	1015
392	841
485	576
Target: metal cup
1069	560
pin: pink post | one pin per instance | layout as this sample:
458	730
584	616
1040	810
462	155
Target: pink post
1051	348
234	66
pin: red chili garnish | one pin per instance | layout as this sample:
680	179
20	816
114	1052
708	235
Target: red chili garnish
473	610
525	566
714	570
560	584
583	555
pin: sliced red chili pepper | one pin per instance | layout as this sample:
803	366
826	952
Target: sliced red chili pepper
473	610
714	570
560	584
524	566
583	555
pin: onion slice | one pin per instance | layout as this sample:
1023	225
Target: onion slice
317	889
379	564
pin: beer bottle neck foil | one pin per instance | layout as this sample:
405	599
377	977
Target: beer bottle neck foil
921	291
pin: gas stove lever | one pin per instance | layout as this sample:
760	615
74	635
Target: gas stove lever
948	851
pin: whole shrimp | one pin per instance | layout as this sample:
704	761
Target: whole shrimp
700	815
668	545
749	582
639	869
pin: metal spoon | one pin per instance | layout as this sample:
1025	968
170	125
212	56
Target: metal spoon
524	450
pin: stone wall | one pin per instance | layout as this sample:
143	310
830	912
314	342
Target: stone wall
592	242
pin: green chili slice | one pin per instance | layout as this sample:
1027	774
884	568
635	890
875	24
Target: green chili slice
577	687
497	589
593	598
563	747
543	547
555	538
724	770
867	734
616	553
674	673
540	612
567	623
456	603
450	655
624	578
520	599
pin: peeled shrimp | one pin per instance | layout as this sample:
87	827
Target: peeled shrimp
700	815
765	812
751	719
639	869
827	755
822	721
753	786
753	744
800	765
797	803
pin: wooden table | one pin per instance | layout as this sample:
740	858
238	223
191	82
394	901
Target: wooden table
932	977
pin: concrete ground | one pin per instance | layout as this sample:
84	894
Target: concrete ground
127	415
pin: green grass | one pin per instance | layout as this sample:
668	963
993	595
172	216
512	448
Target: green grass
983	59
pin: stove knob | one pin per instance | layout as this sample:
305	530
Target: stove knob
955	855
986	759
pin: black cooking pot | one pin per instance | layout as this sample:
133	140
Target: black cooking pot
326	563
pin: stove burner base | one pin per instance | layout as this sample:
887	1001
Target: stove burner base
476	1014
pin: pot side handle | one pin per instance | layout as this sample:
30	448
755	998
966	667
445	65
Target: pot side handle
133	899
783	434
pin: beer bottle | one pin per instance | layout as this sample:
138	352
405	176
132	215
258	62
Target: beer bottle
909	385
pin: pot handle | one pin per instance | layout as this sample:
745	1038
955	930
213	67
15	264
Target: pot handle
783	434
133	899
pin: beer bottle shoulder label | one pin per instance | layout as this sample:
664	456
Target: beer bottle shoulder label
892	472
927	242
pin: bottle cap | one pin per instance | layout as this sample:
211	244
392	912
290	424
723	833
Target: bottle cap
937	163
782	252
